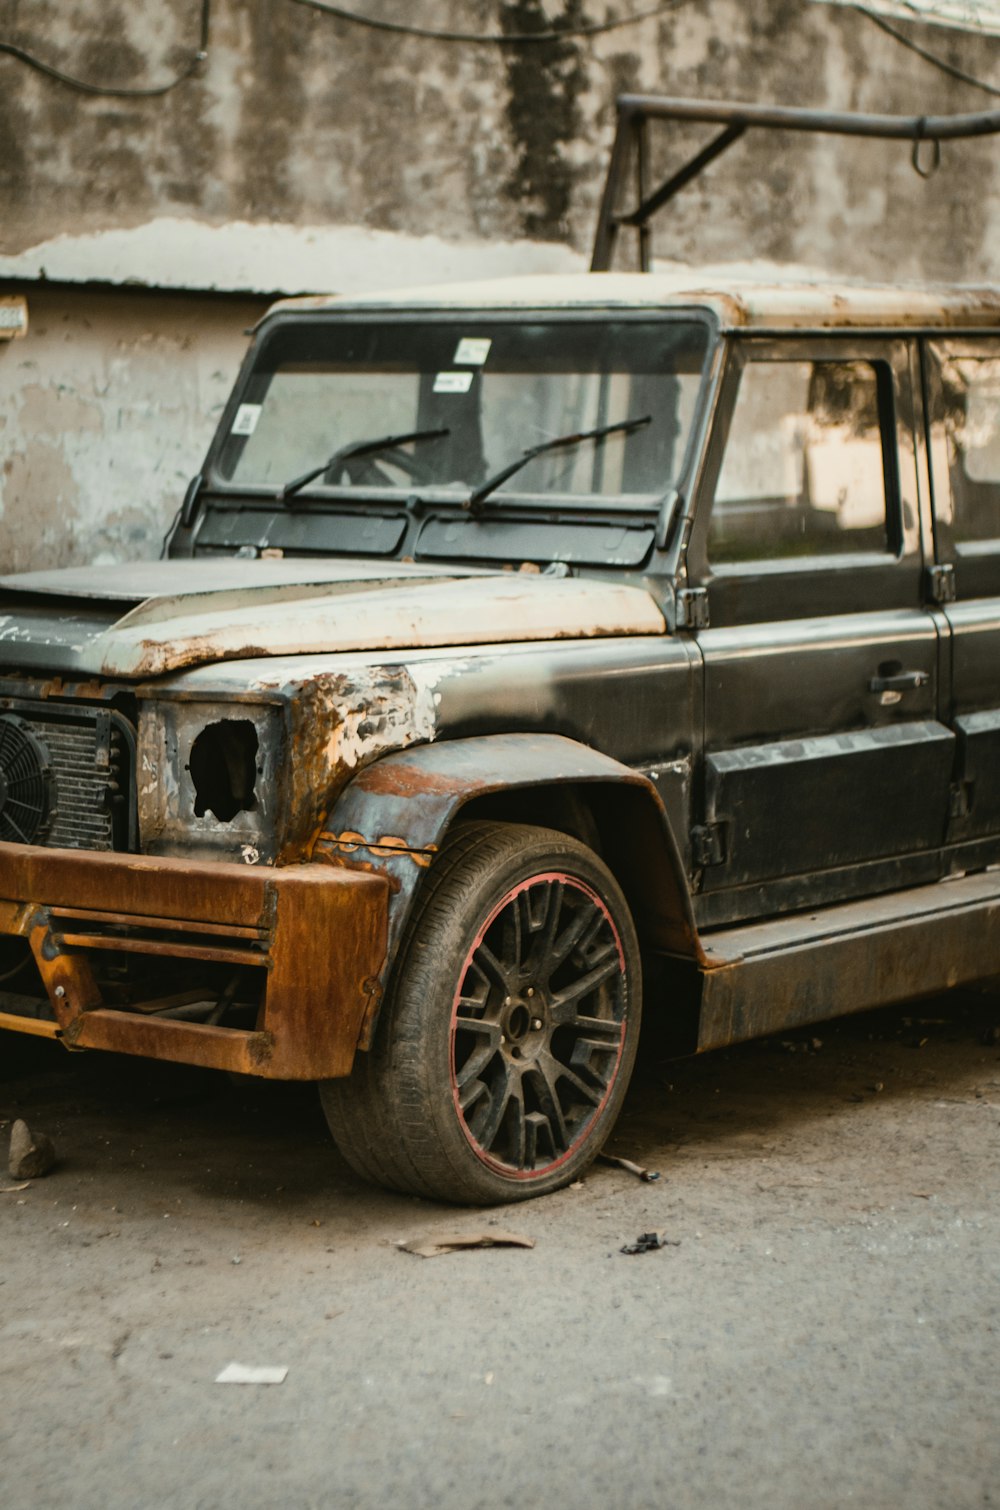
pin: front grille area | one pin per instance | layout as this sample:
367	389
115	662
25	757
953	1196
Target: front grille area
86	757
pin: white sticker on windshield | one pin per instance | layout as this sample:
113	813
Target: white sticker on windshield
472	351
453	382
246	419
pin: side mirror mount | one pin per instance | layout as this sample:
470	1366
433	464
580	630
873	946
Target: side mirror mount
189	508
669	510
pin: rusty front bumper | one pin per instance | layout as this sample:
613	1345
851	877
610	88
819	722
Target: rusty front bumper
317	934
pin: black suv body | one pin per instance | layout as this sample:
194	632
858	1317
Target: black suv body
524	651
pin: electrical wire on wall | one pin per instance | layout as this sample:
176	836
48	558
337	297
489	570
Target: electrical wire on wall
111	91
590	29
924	52
492	39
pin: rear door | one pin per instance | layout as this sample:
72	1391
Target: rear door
826	768
962	375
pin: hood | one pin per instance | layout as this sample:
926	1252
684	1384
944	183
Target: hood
153	617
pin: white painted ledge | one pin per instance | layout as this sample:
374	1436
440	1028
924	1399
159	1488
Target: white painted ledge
241	257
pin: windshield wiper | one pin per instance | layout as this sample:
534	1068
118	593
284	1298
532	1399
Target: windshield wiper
358	448
475	500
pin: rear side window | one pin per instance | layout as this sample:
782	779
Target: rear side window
965	447
804	468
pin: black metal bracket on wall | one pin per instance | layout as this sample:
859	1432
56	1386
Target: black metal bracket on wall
631	146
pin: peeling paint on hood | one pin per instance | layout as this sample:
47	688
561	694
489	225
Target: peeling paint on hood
139	581
181	613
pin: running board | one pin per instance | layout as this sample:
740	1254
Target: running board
810	966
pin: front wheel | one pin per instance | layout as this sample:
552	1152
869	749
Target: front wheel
507	1040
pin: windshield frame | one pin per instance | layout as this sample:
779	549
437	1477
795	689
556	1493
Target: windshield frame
445	496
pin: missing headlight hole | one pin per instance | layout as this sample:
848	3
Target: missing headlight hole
223	767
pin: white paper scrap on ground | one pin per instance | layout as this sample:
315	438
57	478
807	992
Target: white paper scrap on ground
240	1373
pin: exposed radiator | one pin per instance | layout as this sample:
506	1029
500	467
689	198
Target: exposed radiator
83	763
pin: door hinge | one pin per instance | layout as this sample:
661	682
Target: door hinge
692	608
708	845
941	584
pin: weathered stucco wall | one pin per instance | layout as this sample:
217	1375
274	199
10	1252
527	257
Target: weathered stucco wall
309	154
299	119
106	409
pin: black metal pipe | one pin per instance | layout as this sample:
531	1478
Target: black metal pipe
793	118
715	148
635	111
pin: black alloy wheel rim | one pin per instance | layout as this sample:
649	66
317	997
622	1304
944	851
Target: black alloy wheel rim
538	1025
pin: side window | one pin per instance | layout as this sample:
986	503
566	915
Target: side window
965	448
804	467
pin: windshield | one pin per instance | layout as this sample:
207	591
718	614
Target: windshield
492	388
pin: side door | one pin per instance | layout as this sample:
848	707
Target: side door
826	769
962	377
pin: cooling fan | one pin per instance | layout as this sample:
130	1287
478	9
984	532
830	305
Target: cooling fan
24	781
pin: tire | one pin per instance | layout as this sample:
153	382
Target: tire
509	1033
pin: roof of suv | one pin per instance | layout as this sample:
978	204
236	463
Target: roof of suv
738	302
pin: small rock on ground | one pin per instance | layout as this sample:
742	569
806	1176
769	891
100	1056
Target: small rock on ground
31	1154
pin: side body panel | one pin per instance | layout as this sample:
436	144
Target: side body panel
964	436
824	752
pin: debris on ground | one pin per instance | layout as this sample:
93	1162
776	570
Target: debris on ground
14	1189
629	1166
648	1242
241	1373
31	1154
453	1242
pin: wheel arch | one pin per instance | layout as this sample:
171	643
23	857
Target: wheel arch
396	813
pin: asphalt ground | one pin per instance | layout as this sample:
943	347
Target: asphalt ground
821	1329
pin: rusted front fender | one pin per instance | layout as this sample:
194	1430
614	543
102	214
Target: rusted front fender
317	937
393	817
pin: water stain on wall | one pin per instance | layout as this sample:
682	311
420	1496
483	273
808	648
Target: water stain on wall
272	89
39	508
107	408
545	81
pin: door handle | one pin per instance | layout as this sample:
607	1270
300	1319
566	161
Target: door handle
899	681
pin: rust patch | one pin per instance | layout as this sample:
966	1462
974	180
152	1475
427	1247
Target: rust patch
260	1048
373	989
339	725
156	658
397	779
339	859
68	979
326	941
349	842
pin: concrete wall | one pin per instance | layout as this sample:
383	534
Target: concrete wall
313	154
297	119
106	410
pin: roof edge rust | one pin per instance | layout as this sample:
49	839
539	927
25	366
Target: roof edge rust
736	302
